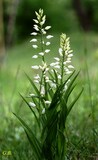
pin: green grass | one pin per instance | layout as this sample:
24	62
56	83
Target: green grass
82	124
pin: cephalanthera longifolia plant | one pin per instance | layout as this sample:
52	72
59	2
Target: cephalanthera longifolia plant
52	87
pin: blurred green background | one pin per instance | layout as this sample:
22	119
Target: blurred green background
79	20
63	16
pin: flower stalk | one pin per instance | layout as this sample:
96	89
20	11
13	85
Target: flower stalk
49	103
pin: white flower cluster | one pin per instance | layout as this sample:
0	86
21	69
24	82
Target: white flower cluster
42	31
63	62
61	65
66	53
42	44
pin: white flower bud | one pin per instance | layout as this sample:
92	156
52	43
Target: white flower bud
70	51
48	27
41	53
47	102
54	64
44	18
60	52
33	40
42	22
66	69
32	104
37	76
70	66
68	61
49	36
57	59
36	21
42	90
43	31
36	27
34	33
32	95
36	81
36	14
35	56
64	63
43	111
59	77
44	67
35	67
70	55
47	50
47	43
35	46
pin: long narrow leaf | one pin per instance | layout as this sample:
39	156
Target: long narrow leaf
36	89
31	109
66	96
63	114
50	91
56	77
36	143
70	87
34	86
36	153
74	101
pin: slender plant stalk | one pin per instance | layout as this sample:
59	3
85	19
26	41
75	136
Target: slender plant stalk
90	95
51	95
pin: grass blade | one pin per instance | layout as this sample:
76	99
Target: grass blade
36	144
31	109
74	101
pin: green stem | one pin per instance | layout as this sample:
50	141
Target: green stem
42	46
43	59
90	95
62	68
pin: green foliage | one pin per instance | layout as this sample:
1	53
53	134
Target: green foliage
52	143
50	105
79	129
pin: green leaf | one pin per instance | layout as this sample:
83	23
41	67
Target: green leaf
31	109
56	77
63	114
74	101
35	143
50	138
71	87
56	97
61	145
36	90
34	86
50	91
37	155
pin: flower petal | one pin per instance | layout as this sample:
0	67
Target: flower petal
35	56
35	67
41	53
47	50
32	104
47	43
34	33
33	40
49	36
34	46
48	27
47	102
